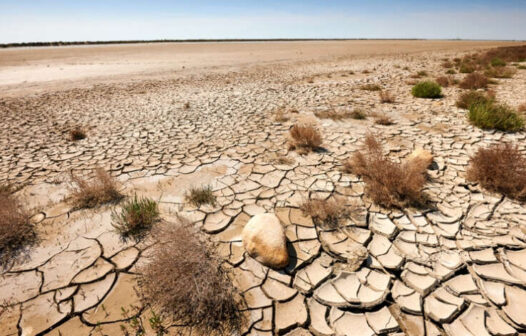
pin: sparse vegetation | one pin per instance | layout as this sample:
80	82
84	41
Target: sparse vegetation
358	114
304	138
91	193
388	183
325	212
466	68
427	89
77	133
495	116
474	81
280	115
451	72
200	196
371	87
500	168
497	62
443	81
522	108
383	120
469	98
187	281
137	216
386	97
500	72
16	231
331	113
280	159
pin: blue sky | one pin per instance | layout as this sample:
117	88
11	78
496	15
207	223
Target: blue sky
77	20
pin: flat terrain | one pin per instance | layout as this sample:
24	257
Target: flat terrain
47	67
457	268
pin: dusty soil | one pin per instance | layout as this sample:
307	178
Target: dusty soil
457	268
23	70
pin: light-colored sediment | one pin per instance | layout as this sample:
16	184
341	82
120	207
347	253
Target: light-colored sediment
458	269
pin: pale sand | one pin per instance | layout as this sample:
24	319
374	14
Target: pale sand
29	70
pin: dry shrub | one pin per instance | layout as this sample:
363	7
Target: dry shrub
466	99
474	81
325	212
383	120
137	216
522	108
388	183
331	113
500	168
185	280
16	231
444	81
371	87
500	72
386	97
447	65
186	105
280	115
200	196
304	138
100	190
77	133
358	114
280	159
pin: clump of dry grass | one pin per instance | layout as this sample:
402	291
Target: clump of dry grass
383	120
281	116
332	114
522	108
137	216
388	183
16	231
420	74
386	97
186	105
325	212
444	81
371	87
474	81
500	168
91	193
77	133
500	72
358	114
304	138
186	280
200	196
280	159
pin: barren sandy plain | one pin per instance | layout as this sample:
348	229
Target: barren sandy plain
458	269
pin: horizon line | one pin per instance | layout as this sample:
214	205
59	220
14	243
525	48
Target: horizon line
102	42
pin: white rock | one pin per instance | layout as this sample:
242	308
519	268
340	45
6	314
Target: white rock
264	239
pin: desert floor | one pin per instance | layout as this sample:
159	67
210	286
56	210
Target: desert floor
166	117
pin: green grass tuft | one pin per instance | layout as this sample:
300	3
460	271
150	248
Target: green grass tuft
427	89
495	116
136	217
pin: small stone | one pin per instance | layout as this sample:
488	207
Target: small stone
264	240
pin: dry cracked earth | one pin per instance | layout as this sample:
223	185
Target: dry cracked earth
456	269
